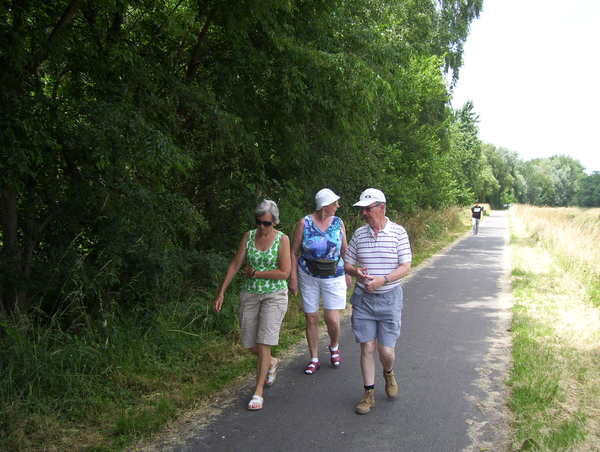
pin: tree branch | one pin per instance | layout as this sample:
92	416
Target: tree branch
64	21
195	55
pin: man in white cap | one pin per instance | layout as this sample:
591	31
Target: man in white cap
379	256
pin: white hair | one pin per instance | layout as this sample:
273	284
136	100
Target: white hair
265	207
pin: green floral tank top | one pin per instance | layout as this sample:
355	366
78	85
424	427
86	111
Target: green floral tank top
263	261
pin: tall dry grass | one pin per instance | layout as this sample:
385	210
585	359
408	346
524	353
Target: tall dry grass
573	236
556	328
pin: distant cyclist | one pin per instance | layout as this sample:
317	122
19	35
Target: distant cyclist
476	213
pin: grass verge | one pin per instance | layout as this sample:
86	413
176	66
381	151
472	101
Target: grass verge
555	380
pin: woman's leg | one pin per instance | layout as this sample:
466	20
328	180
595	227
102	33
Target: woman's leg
332	320
263	363
312	333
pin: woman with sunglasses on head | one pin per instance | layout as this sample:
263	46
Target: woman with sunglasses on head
318	249
264	297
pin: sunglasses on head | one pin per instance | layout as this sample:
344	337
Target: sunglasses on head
266	224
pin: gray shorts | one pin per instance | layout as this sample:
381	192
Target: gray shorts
261	316
377	316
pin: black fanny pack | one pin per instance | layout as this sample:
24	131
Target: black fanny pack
322	267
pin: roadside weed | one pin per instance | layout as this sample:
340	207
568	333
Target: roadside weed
555	379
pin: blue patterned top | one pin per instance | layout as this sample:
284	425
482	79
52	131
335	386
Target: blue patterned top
317	244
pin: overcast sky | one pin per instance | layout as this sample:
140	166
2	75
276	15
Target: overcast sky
532	70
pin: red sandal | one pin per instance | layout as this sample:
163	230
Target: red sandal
312	367
335	357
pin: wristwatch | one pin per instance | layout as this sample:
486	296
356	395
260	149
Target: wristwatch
386	280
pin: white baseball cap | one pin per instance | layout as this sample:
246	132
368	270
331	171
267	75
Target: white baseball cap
369	196
325	197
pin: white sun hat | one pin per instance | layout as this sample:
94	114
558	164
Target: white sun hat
325	197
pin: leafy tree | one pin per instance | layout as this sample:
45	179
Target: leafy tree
137	135
589	194
88	152
486	185
553	181
569	173
465	158
504	166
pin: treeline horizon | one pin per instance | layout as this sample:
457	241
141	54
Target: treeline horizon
556	181
138	136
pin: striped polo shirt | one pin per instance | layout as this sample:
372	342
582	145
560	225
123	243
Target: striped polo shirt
381	255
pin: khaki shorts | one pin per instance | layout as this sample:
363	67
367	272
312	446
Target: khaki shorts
261	316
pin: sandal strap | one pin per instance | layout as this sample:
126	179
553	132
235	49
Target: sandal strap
256	399
312	367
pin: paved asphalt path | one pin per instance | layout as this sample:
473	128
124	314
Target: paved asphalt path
451	365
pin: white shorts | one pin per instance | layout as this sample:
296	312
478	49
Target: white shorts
332	290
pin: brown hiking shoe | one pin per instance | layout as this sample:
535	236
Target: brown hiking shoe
367	402
391	388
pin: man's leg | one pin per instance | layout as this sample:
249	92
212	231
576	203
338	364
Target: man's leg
387	356
367	362
367	365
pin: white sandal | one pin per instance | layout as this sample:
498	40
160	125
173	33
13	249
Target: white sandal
256	403
272	374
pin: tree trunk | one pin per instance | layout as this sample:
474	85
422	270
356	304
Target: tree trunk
13	299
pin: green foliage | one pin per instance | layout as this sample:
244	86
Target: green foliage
138	136
92	158
499	177
503	165
465	160
112	373
552	182
589	194
145	421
